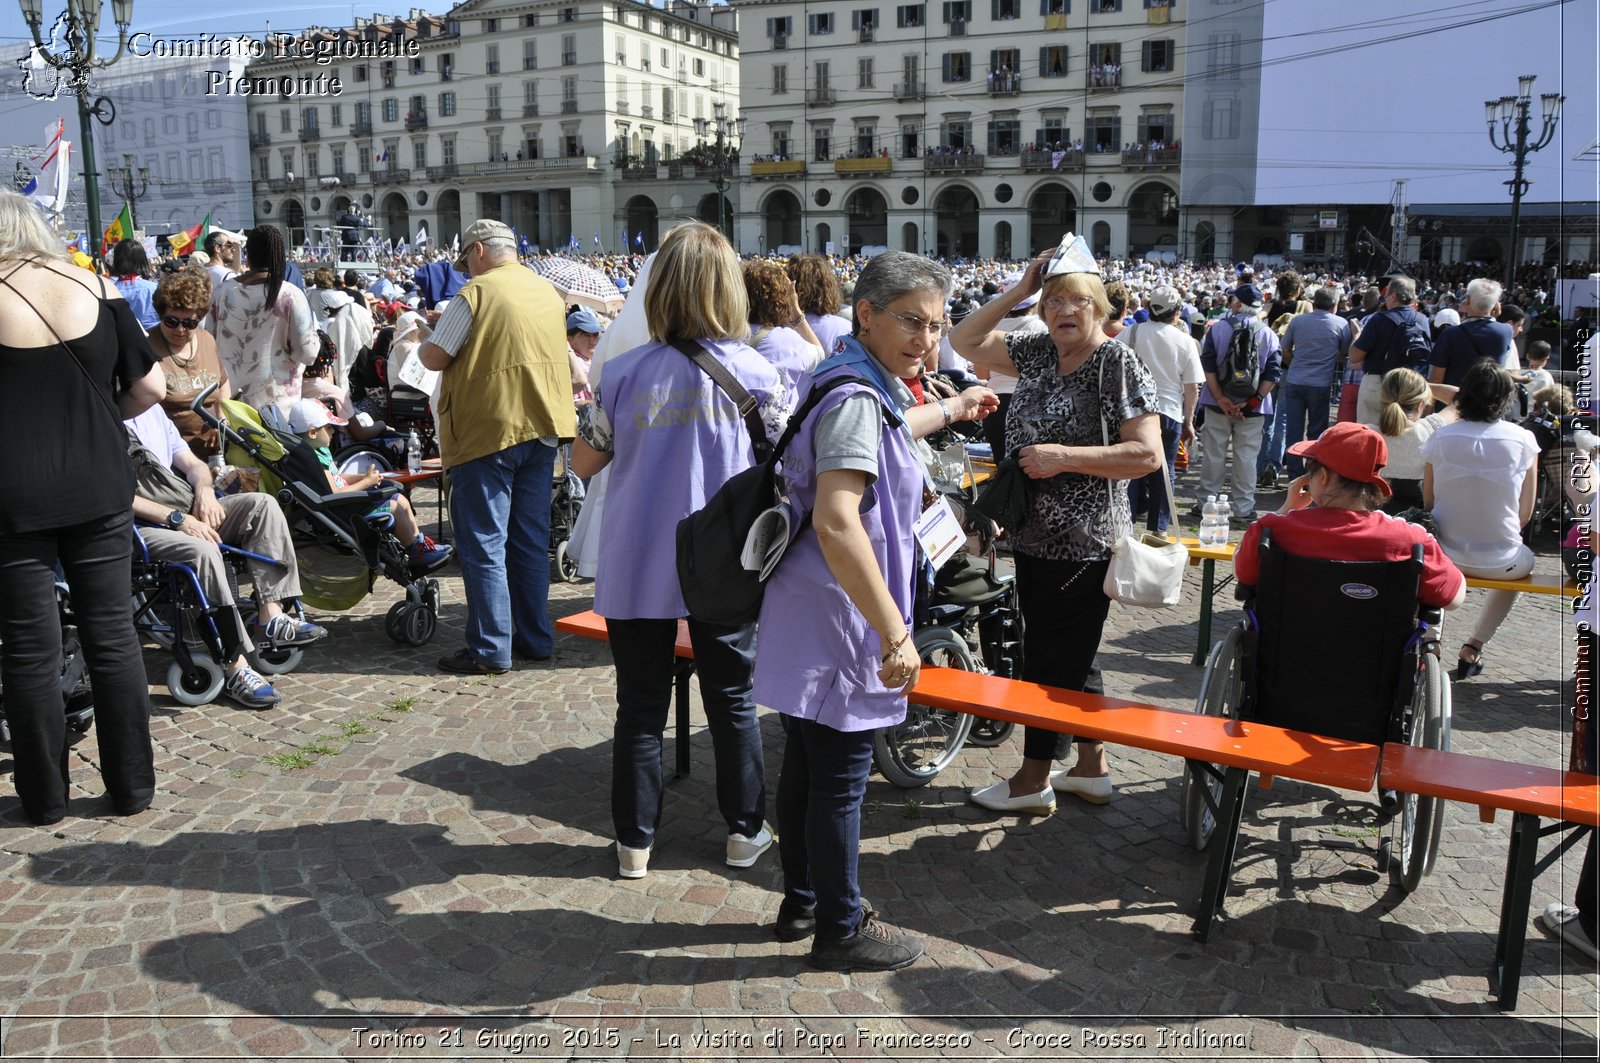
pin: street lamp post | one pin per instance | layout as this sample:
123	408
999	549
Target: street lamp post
76	59
122	178
1510	114
725	129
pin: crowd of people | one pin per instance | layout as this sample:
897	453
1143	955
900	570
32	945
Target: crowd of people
1096	376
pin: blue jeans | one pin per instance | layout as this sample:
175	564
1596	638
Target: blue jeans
724	660
819	821
1303	410
1146	492
500	507
1271	453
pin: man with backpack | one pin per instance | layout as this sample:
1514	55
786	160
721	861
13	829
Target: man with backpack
1397	337
1242	365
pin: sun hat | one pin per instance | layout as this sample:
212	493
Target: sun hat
1355	451
308	414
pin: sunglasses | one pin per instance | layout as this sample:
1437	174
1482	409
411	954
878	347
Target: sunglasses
190	323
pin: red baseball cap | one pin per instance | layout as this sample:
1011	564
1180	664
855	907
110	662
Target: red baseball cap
1354	451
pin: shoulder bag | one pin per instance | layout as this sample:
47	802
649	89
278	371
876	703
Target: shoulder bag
1146	570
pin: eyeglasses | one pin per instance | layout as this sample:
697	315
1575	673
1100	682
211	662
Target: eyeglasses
190	323
1071	302
912	325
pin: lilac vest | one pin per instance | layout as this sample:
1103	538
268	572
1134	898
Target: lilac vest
830	328
816	657
791	355
676	438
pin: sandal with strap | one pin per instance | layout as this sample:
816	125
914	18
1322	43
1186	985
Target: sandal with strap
1468	666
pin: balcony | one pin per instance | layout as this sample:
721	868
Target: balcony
910	90
390	176
639	173
1042	161
530	110
569	58
852	167
416	121
952	163
444	173
286	184
820	97
175	189
647	110
1005	84
1151	158
361	127
865	35
217	186
346	178
698	171
762	171
310	132
569	106
498	168
958	27
780	42
260	140
1105	78
624	107
491	114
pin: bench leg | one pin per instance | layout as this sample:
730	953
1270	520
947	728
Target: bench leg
1208	574
1219	870
1521	857
680	700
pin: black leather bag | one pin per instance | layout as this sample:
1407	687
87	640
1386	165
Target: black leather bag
1004	499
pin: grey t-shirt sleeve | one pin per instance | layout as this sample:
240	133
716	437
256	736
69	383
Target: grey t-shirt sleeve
847	436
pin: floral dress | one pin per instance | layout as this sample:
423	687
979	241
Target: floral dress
264	350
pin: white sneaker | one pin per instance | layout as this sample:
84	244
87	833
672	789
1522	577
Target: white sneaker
744	852
1562	921
632	863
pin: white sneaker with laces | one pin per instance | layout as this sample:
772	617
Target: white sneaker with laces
744	852
632	863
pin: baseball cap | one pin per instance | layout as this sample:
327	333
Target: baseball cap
1354	451
478	231
583	320
1163	298
1445	318
307	414
1248	294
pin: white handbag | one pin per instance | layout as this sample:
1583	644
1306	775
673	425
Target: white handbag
1146	570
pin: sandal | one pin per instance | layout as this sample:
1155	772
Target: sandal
1469	666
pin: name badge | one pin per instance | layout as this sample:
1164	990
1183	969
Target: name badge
938	532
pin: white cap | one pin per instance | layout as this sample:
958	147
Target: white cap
307	414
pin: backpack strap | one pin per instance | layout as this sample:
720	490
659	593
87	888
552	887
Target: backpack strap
746	402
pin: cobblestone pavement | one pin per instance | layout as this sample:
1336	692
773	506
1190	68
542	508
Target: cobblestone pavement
438	882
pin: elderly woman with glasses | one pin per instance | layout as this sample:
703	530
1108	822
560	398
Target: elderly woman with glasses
835	656
189	356
1084	416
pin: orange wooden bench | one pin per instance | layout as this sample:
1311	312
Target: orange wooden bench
1570	800
591	625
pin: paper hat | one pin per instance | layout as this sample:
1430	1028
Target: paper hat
1072	256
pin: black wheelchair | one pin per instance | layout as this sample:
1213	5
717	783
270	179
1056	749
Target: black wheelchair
1335	648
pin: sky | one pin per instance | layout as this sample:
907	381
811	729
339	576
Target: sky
1356	93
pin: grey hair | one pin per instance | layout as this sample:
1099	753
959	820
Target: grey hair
1482	294
23	231
1325	298
895	273
1403	289
496	246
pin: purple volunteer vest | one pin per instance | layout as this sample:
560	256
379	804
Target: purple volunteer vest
676	438
829	328
816	657
790	354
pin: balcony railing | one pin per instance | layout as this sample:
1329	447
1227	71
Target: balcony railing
874	164
1005	84
780	42
778	168
260	140
624	107
491	114
639	173
569	106
346	178
1102	79
1040	161
820	96
310	132
529	166
1151	158
952	163
910	90
958	28
361	127
416	121
286	184
217	186
392	176
530	110
865	35
444	173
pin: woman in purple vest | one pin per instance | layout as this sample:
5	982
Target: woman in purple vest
817	288
1073	384
835	655
671	438
777	328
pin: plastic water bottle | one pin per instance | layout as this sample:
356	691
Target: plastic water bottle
1208	521
413	452
1223	512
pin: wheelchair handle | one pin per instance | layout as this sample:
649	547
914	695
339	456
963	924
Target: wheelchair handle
198	406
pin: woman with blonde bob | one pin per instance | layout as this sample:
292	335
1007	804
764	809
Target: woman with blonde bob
671	438
1076	389
1405	394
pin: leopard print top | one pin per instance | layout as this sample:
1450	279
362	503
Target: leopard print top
1072	516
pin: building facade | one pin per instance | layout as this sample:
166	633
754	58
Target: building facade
962	127
566	119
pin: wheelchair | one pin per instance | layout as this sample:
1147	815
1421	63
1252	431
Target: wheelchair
77	697
1377	679
566	499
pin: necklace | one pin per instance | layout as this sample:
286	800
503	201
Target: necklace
192	350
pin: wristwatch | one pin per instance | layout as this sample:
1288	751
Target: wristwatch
175	518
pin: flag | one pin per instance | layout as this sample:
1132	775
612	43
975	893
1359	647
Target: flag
186	242
422	235
63	158
388	247
120	229
597	238
401	248
455	243
523	247
638	239
572	241
31	191
81	243
52	137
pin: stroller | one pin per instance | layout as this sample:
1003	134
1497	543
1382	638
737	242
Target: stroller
566	498
341	544
76	697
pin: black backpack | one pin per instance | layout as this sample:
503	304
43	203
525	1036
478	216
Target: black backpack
1239	370
1412	345
716	587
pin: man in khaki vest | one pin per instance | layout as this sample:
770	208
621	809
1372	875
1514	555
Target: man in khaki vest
505	402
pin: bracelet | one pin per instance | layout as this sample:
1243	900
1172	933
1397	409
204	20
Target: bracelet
944	408
892	650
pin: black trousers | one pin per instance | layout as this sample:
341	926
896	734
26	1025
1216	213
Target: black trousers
97	557
1064	607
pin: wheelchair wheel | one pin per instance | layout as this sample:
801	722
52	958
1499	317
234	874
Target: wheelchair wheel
1422	818
362	458
278	660
394	621
911	753
987	734
566	564
198	684
1220	693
